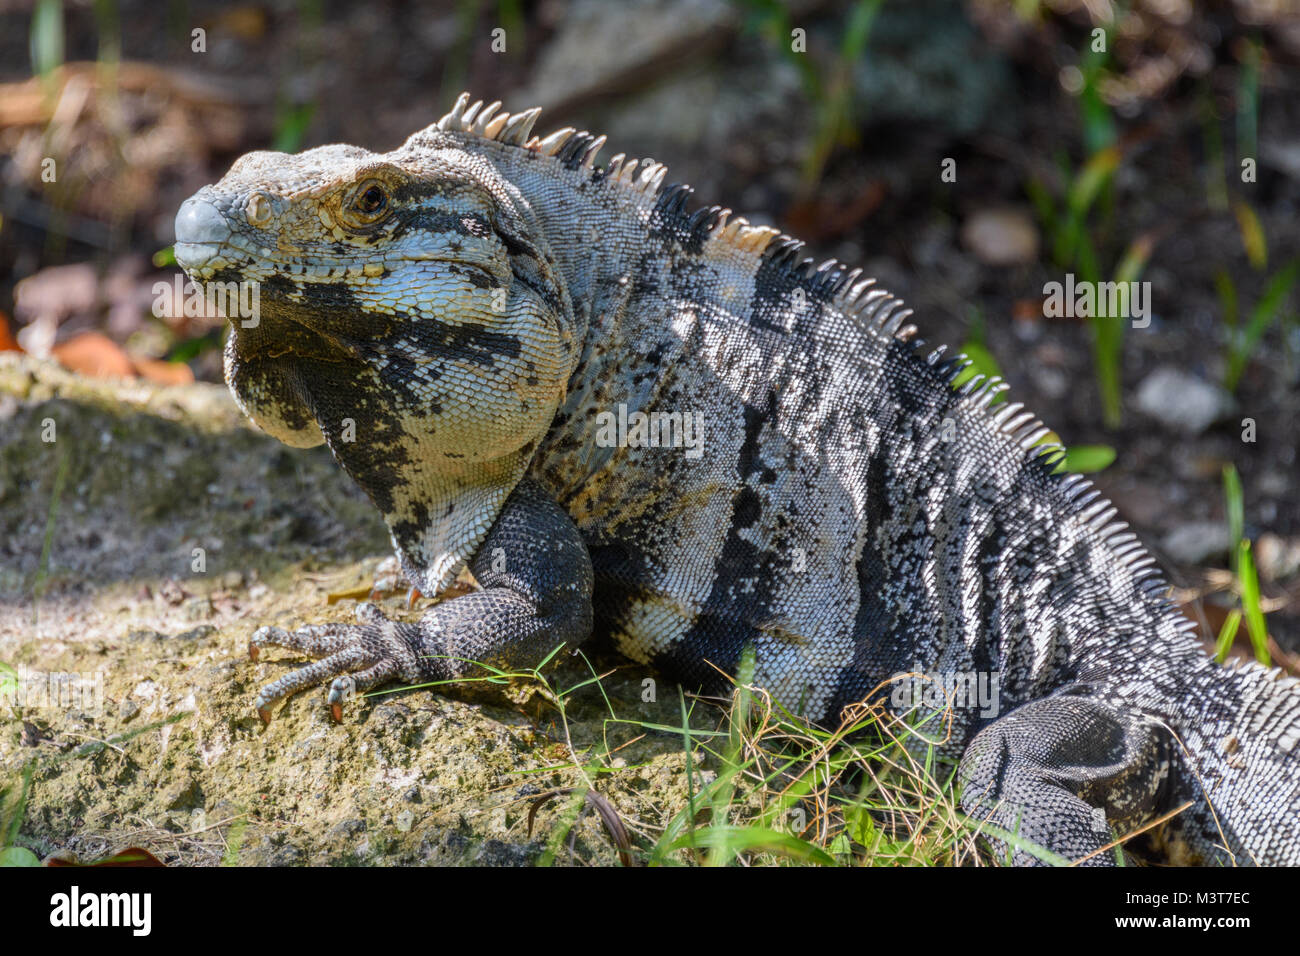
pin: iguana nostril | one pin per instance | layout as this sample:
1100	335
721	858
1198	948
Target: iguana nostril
257	210
200	232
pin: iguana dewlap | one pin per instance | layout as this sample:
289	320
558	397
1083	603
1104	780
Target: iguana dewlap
666	425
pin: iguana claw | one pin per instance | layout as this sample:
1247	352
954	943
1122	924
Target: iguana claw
342	688
354	657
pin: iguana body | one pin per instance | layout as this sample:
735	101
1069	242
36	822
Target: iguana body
461	320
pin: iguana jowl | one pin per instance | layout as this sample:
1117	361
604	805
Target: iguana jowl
459	318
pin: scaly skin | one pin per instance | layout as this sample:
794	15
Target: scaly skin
457	319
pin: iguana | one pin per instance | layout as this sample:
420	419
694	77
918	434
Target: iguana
668	426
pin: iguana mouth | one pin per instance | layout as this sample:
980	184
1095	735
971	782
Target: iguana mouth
279	335
202	241
307	345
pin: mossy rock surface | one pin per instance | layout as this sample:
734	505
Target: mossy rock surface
139	550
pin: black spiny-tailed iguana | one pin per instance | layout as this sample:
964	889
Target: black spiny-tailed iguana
489	331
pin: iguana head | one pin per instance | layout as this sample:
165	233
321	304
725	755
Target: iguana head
408	313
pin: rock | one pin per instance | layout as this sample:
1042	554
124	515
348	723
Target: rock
1051	381
1276	557
196	633
602	46
1275	482
197	608
925	66
1003	236
1197	541
1283	155
184	794
288	855
348	829
1182	401
172	592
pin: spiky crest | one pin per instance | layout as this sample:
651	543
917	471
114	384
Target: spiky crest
842	288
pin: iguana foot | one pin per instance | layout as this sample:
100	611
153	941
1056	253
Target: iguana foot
535	576
357	657
1069	773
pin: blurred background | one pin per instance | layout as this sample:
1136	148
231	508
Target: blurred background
1154	141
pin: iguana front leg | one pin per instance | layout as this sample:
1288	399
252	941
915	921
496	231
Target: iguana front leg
1063	773
536	578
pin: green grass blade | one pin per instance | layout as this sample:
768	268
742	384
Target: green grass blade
1086	459
754	840
1234	508
1261	320
1250	602
1227	634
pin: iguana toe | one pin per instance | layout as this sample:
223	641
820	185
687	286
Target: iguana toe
352	657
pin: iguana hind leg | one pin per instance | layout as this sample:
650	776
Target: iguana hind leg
1066	773
536	578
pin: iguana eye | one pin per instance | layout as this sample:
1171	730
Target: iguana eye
371	200
368	205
